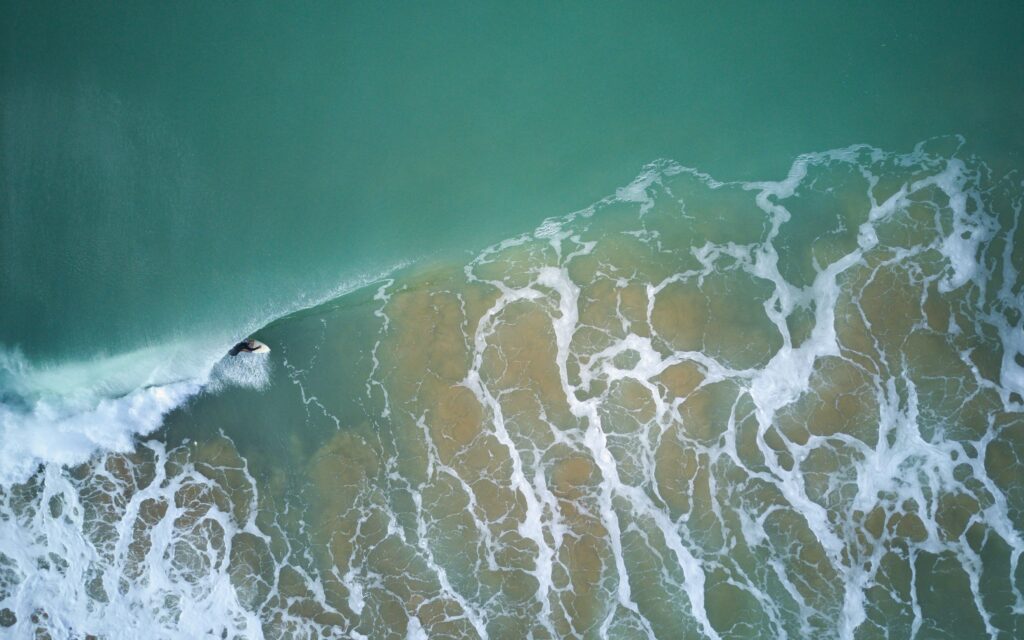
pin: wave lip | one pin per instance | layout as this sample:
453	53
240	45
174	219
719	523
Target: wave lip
64	413
49	434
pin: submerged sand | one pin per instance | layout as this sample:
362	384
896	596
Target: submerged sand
697	409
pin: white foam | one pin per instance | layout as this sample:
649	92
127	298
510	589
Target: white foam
79	408
63	413
905	465
787	377
415	630
143	597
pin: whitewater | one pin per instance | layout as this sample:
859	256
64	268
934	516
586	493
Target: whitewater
699	407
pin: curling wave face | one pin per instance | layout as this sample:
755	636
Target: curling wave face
696	409
62	413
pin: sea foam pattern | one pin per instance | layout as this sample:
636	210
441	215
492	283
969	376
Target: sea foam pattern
784	409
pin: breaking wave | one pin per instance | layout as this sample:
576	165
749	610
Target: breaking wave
697	408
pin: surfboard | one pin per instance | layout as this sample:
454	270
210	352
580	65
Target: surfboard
249	346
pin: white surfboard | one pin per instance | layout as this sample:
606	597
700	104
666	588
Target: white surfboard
248	346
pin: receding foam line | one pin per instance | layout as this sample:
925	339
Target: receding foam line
753	513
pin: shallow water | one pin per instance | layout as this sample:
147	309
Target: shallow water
778	394
695	409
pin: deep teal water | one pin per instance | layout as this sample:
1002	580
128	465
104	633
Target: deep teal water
180	169
766	382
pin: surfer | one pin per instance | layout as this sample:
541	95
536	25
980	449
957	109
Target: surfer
248	346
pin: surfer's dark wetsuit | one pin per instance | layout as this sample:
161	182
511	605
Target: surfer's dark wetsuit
245	345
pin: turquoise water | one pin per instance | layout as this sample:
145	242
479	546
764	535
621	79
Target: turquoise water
182	168
763	383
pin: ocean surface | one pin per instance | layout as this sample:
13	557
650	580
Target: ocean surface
587	320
